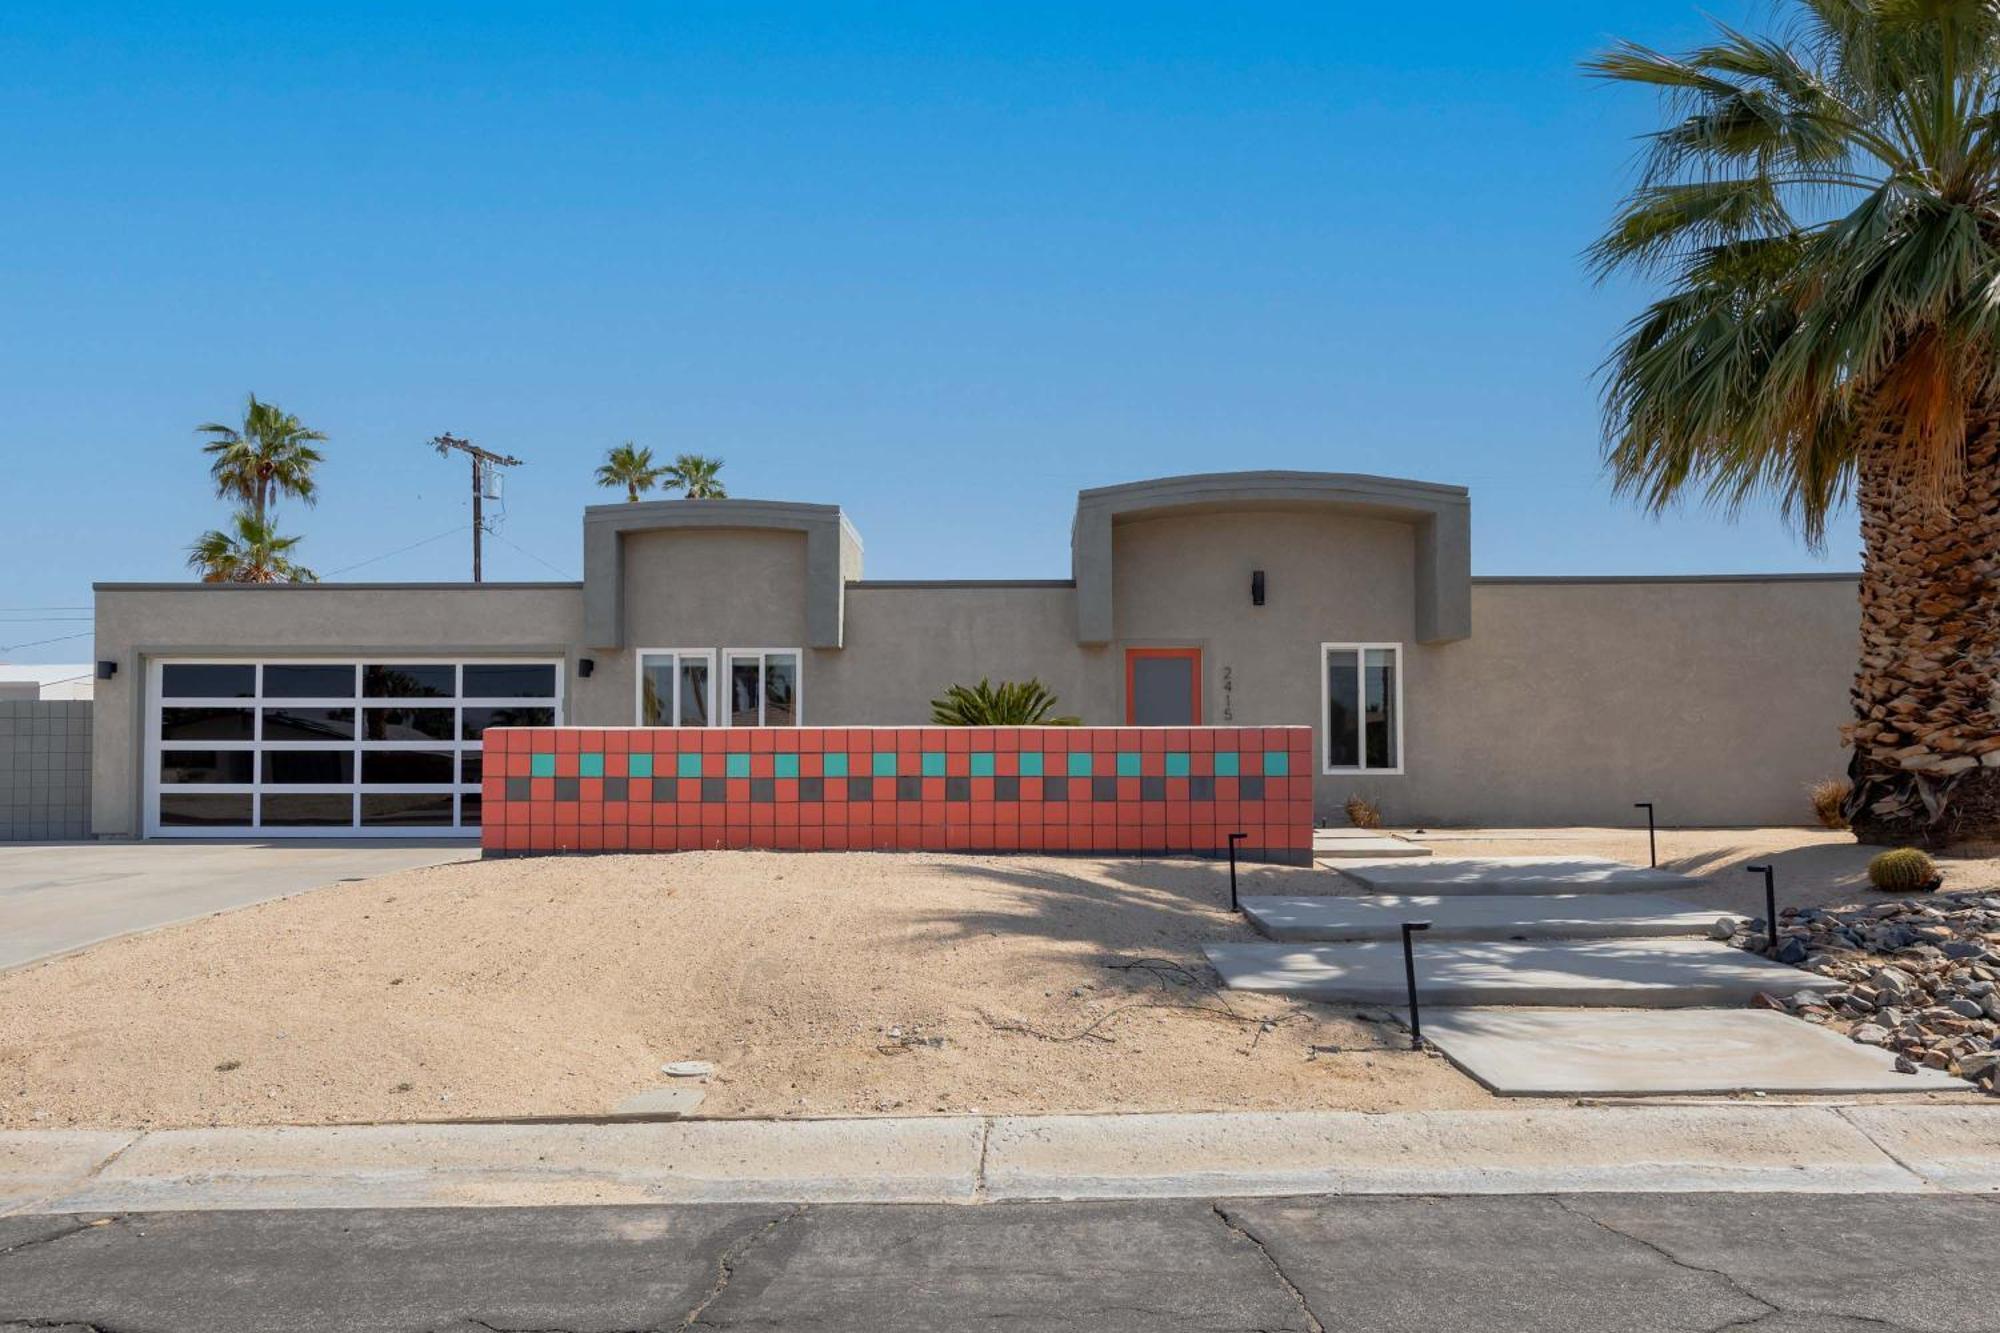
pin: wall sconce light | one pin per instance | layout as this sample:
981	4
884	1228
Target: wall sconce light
585	665
106	669
1256	587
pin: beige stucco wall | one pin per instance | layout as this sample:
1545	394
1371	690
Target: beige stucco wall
138	622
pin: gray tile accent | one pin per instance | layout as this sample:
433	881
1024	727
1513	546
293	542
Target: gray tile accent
44	769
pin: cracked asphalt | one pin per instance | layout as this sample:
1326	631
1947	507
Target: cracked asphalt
1693	1263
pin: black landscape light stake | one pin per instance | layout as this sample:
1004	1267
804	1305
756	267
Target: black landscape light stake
1770	904
1234	838
1410	979
1652	837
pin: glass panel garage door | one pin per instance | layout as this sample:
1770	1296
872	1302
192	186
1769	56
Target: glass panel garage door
318	748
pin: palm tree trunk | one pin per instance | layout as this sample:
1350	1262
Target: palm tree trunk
1926	734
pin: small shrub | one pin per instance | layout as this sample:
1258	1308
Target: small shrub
1026	703
228	1066
1904	870
1363	813
1829	801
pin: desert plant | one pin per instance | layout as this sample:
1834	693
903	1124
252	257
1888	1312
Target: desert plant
1363	813
696	477
249	552
1904	870
1823	205
1025	703
631	467
268	456
1829	801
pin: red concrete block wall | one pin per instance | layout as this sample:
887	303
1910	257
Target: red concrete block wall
1137	790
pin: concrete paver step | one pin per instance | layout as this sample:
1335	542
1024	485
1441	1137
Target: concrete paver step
1574	916
1664	1052
1334	844
1642	973
1514	875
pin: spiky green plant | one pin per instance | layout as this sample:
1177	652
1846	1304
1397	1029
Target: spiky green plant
631	467
268	456
696	477
1026	703
249	551
1904	870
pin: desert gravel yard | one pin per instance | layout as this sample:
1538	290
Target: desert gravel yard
818	984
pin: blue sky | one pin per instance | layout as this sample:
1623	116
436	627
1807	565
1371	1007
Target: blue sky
943	265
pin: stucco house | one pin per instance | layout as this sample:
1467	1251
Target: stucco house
1249	598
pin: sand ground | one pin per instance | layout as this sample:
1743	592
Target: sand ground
818	984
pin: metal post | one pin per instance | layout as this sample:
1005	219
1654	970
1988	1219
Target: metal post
1410	978
1234	838
1652	837
1770	903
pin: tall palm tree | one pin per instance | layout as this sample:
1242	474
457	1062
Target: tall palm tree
249	552
698	478
268	456
631	467
1824	209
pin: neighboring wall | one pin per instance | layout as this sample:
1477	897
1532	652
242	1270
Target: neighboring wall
44	769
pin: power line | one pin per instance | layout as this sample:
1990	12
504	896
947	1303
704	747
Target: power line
400	550
36	643
537	559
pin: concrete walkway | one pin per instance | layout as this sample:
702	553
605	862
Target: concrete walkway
1573	916
1514	875
58	897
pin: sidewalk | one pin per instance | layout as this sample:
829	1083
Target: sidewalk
1824	1148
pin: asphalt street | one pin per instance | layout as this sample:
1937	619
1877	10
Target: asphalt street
1779	1263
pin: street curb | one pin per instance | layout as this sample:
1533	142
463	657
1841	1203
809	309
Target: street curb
976	1160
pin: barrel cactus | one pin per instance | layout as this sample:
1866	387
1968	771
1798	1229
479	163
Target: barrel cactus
1904	870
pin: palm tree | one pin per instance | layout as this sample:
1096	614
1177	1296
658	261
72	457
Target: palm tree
268	456
1824	209
250	552
697	477
631	467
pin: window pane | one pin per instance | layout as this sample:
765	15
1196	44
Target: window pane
308	810
409	682
309	767
471	764
409	724
468	810
308	724
411	808
1383	724
308	682
200	681
205	724
781	690
486	680
395	768
475	721
179	807
206	766
656	690
1343	709
694	692
744	687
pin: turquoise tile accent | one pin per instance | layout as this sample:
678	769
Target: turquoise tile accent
542	766
835	765
1177	765
982	765
1226	764
688	766
885	764
590	765
1128	764
1031	763
639	766
736	765
933	763
1276	763
786	765
1079	764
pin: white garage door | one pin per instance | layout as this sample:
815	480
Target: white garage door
382	747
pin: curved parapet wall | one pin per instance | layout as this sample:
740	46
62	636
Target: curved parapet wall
1155	791
1441	516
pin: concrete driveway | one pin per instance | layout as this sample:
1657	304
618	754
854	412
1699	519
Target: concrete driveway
55	897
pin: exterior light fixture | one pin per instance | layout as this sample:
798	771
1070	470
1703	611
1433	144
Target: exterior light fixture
585	665
106	669
1256	587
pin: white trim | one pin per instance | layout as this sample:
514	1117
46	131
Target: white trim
1360	651
639	656
727	712
457	744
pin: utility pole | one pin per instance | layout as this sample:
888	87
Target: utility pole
483	463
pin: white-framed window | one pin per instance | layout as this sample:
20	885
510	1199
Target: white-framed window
676	687
761	687
1361	707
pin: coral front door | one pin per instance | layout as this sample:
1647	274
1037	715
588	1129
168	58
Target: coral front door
1163	687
